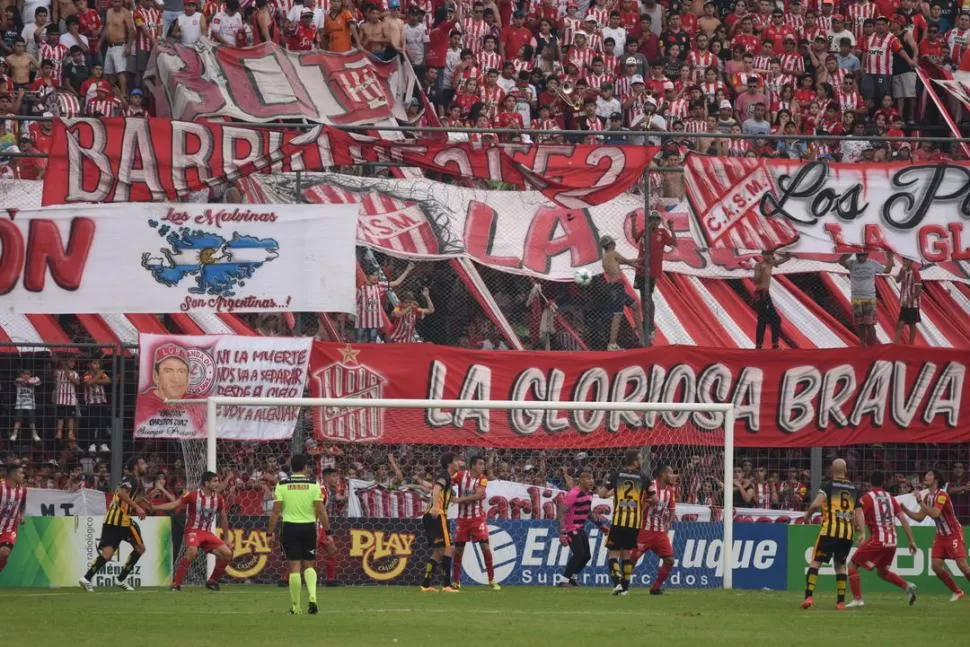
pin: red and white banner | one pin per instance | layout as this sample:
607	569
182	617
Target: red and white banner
782	399
196	367
754	204
268	83
178	258
143	160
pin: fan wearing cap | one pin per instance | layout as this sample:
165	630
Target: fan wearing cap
31	168
838	32
104	104
580	53
136	104
303	36
406	315
170	372
619	299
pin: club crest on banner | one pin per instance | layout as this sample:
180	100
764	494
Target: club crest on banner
202	372
348	378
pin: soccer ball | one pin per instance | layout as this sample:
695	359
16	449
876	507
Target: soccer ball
582	277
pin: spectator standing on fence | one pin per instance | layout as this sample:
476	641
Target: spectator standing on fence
910	289
763	305
407	313
66	380
25	404
862	279
370	296
660	239
619	300
97	416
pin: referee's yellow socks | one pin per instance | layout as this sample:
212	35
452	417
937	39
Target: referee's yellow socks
295	585
310	577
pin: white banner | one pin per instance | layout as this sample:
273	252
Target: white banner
136	258
915	210
521	231
175	367
63	503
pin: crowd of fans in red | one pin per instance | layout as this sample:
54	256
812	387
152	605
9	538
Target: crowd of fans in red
752	67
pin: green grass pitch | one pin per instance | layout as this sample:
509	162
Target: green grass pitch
534	616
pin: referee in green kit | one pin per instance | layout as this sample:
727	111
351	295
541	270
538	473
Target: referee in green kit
299	500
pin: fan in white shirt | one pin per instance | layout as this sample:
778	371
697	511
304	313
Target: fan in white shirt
227	23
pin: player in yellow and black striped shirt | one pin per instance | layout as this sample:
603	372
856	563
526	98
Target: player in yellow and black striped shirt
435	522
628	487
118	526
837	499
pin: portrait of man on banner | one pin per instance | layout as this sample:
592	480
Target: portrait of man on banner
177	373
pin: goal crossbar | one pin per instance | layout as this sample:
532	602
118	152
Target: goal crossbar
727	551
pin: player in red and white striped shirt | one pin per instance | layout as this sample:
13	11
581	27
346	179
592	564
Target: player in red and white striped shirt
205	505
877	512
13	503
661	507
407	314
948	542
471	526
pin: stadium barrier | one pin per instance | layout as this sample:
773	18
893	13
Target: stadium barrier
53	552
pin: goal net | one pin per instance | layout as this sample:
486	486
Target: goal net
379	491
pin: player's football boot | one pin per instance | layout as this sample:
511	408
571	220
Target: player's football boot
296	612
807	603
911	593
456	586
123	584
840	606
494	586
957	596
86	584
624	592
175	589
449	589
617	589
212	586
856	603
312	609
429	589
656	591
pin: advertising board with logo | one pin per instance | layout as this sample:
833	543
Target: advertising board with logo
912	568
529	553
175	367
53	551
369	551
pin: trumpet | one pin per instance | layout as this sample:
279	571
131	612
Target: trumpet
566	91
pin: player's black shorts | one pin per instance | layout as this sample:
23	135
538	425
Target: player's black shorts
827	548
299	541
436	530
620	538
112	536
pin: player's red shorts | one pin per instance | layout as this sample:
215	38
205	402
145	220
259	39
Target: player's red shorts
656	541
873	554
949	547
8	538
202	539
475	530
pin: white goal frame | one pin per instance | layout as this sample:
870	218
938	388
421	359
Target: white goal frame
727	552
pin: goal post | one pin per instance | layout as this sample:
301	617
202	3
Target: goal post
727	410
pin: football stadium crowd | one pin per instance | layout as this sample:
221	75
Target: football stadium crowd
750	68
